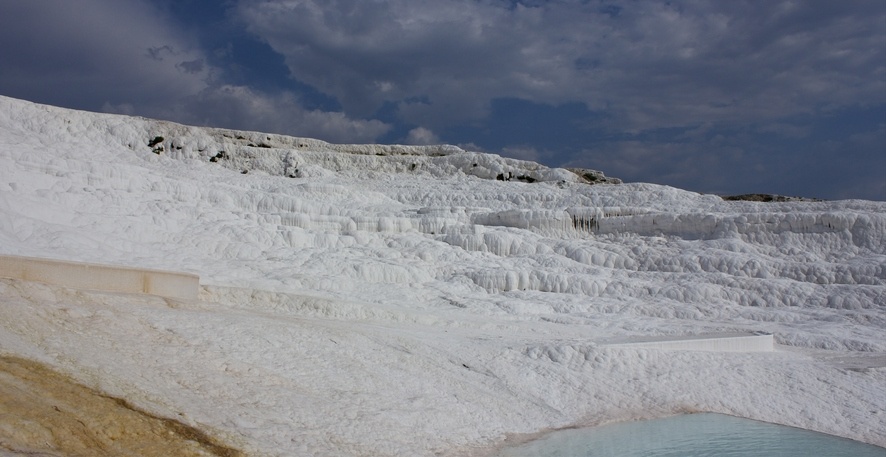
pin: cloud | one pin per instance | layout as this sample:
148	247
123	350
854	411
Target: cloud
701	94
241	107
421	135
131	58
522	153
721	166
91	52
839	157
647	64
158	52
787	130
366	53
191	66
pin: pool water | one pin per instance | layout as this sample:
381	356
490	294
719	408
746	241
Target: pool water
692	435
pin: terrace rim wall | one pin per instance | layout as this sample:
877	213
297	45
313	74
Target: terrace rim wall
107	278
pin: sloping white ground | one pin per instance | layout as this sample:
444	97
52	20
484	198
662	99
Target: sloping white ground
370	300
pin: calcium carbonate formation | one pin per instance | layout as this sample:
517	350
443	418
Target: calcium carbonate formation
371	300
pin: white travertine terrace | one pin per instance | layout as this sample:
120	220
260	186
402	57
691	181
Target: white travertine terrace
368	300
108	278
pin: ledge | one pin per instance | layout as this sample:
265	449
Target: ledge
108	278
714	342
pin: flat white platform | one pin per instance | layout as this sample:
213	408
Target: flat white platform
109	278
712	342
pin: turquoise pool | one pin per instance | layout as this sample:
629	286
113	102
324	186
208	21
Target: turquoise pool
692	435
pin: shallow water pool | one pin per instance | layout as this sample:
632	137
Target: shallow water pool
692	435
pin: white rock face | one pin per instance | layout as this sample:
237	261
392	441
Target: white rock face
410	300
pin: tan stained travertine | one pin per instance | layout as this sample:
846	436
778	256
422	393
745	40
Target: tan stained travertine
110	278
45	413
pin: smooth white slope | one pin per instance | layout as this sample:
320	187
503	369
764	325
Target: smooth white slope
402	301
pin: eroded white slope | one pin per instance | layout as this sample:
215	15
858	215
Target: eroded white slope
372	300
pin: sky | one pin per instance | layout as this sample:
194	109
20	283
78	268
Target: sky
725	97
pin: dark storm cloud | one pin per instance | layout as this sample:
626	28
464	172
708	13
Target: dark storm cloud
191	66
714	96
158	52
240	107
840	155
717	96
90	52
366	53
648	64
129	57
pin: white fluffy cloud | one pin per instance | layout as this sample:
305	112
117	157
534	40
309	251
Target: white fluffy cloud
647	64
421	135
